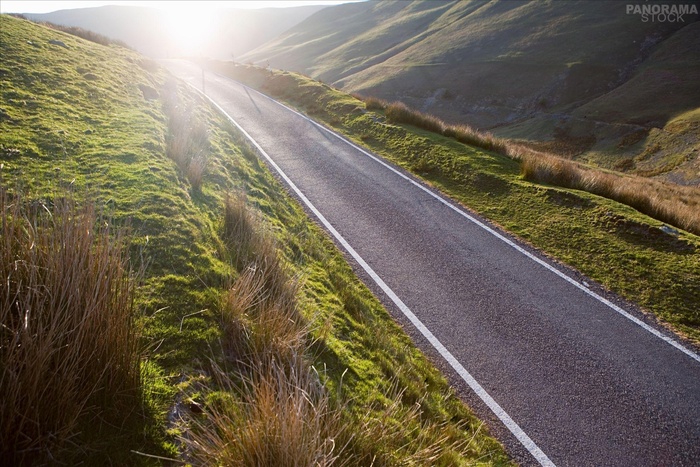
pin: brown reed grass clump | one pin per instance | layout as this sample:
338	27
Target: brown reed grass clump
283	417
259	311
398	112
240	229
373	103
674	204
68	345
275	410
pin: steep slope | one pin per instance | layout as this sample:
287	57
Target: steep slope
519	69
661	98
234	31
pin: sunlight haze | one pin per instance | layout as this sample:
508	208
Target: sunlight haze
178	28
17	6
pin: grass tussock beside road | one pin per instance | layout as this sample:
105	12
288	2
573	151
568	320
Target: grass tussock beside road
187	142
68	343
674	204
283	414
225	283
626	251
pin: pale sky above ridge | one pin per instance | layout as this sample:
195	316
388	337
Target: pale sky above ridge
32	6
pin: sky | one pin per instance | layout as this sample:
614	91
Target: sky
31	6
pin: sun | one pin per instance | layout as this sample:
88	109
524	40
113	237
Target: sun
189	28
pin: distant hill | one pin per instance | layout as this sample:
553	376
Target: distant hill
581	78
235	31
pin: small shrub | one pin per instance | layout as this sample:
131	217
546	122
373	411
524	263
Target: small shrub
633	138
625	164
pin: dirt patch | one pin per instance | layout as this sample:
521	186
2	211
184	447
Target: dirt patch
148	92
658	238
568	199
491	183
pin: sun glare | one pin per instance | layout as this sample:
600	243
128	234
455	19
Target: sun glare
189	29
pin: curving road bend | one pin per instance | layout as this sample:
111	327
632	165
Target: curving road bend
562	375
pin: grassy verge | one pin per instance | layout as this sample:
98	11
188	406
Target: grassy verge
245	308
625	250
667	202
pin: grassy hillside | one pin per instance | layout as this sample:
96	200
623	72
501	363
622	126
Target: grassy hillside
626	251
579	76
667	140
251	326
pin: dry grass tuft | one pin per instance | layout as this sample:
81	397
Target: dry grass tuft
398	112
68	345
282	417
196	169
468	135
260	316
674	204
374	103
280	413
240	229
260	321
187	140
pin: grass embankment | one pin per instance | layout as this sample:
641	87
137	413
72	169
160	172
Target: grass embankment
667	202
625	250
244	309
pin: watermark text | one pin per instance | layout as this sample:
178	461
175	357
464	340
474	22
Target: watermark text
662	13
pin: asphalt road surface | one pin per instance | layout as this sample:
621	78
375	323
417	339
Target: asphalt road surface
562	376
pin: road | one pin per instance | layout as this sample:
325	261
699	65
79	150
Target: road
562	376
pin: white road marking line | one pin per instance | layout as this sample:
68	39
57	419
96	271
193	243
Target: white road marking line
512	426
572	281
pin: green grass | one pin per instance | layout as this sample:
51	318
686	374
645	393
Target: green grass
612	243
84	119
